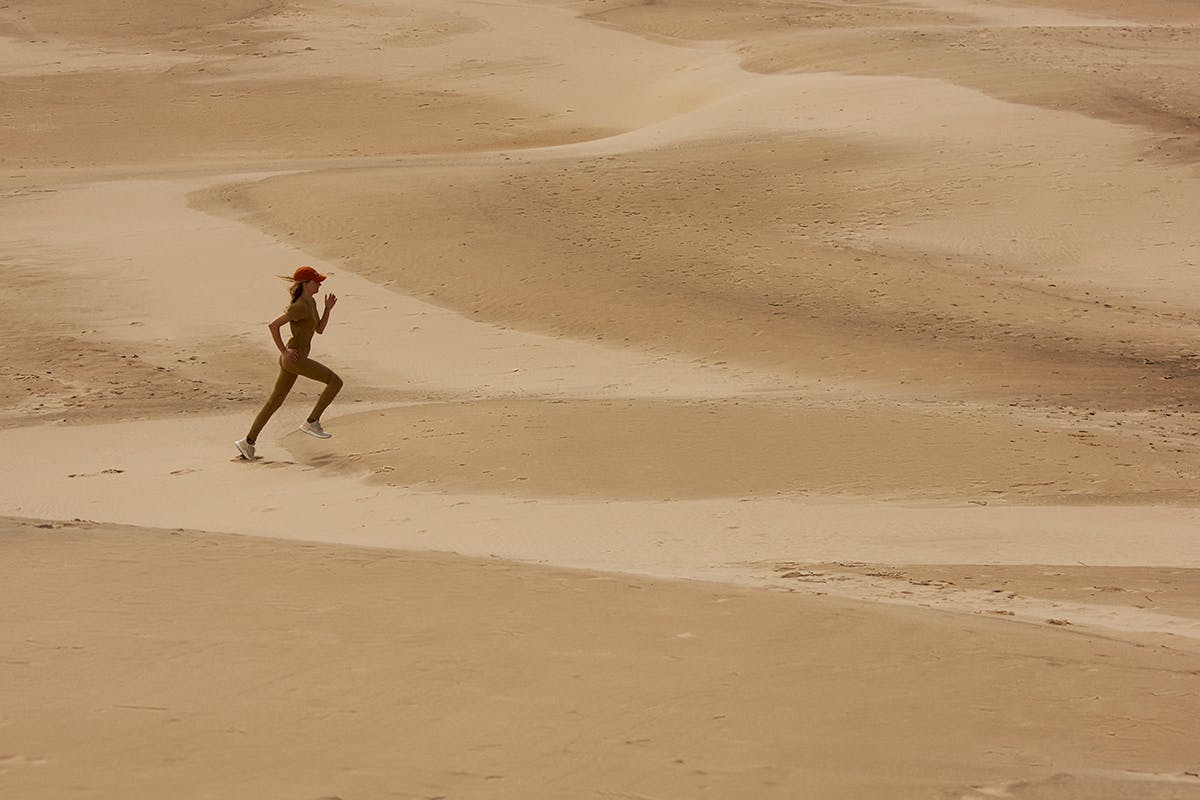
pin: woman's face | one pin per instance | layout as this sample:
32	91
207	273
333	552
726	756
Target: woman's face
311	288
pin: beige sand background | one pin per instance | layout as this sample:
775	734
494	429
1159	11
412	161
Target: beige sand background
743	400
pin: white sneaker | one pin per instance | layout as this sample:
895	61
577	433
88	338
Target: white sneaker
245	448
315	429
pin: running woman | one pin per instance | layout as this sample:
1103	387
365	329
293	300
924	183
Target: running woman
301	315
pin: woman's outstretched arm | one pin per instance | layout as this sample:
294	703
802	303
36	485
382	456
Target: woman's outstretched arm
330	300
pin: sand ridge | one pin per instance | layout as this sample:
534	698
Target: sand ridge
746	447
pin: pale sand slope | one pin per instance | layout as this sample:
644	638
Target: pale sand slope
885	317
158	663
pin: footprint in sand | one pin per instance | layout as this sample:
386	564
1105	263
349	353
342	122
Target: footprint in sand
8	762
110	471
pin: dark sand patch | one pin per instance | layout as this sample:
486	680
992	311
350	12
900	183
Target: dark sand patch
646	449
740	250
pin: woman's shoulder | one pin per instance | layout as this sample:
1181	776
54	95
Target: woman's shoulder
301	309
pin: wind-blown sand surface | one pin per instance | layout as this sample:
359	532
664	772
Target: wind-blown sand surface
742	400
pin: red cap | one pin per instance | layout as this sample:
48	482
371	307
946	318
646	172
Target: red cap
307	274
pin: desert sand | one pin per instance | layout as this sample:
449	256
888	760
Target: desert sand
743	400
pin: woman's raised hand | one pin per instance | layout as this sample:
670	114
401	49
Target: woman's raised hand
330	300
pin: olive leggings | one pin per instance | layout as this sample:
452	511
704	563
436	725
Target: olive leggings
288	372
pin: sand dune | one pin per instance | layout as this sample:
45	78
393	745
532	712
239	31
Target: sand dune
637	688
846	351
